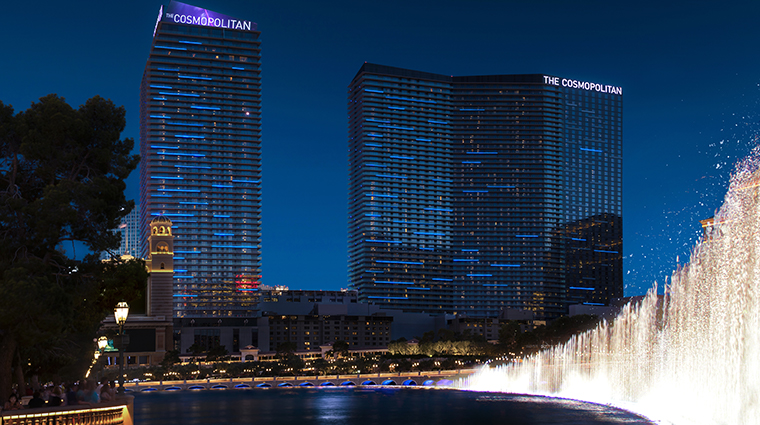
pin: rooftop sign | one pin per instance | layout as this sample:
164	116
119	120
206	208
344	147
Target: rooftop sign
181	13
585	85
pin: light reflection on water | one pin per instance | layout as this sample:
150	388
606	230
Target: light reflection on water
360	406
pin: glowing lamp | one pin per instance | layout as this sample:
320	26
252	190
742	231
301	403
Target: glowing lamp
102	343
121	312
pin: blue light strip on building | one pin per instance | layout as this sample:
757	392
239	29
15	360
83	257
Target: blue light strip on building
401	157
482	153
526	236
212	108
166	93
169	48
506	265
479	275
373	91
465	260
410	99
591	150
396	127
418	289
393	282
442	279
398	262
607	252
194	77
235	246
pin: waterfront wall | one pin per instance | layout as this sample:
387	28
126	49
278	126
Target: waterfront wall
357	379
118	412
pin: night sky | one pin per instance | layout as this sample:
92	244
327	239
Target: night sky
689	72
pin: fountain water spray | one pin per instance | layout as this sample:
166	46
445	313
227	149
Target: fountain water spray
689	356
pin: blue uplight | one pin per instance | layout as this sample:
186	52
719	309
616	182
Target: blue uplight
206	107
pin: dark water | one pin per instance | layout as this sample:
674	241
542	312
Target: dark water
342	406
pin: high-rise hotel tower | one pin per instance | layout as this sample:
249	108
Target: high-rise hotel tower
478	193
200	147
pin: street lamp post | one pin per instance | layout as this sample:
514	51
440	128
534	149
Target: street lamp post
102	344
120	313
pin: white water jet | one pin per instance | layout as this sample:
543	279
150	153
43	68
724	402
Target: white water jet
690	356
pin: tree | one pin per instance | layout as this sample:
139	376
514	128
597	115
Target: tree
62	173
170	359
217	352
340	348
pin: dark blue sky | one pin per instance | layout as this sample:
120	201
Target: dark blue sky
689	72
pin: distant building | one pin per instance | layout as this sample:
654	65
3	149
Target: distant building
130	235
200	148
472	194
309	332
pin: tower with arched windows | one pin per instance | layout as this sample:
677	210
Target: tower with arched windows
160	264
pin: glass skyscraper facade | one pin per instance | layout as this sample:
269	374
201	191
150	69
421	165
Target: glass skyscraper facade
200	146
477	193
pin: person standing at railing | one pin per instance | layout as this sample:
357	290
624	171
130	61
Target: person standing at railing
36	401
13	403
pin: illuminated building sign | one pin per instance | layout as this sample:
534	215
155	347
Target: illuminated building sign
585	85
181	13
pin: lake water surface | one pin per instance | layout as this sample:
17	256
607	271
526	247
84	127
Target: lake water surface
372	406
